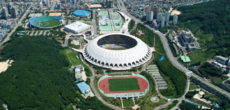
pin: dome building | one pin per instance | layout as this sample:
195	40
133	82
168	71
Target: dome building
117	51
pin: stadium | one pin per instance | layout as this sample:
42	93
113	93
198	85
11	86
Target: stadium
117	51
125	86
46	22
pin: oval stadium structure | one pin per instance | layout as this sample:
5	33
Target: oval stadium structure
117	51
46	22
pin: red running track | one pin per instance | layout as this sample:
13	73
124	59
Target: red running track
104	85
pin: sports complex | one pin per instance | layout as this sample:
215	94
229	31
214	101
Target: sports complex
117	51
46	22
109	21
125	86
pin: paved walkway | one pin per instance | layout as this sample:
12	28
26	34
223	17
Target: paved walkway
94	89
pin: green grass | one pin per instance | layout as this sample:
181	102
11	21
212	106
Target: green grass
176	78
124	84
74	59
192	86
51	23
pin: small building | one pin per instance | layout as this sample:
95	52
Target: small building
84	88
94	6
222	60
55	14
82	13
78	73
185	59
77	27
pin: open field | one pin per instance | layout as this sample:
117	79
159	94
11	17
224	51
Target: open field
124	84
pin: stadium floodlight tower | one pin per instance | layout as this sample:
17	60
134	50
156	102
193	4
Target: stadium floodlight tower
117	51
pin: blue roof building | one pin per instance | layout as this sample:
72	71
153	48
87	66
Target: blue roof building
84	88
82	13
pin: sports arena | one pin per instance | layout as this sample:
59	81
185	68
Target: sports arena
46	22
117	51
125	86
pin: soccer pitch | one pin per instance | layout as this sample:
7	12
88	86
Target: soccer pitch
50	23
123	84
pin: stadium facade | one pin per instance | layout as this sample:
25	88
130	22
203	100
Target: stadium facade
117	51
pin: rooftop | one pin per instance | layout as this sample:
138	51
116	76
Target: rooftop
185	59
77	26
83	87
81	13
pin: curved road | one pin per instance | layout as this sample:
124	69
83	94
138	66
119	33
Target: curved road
94	89
179	66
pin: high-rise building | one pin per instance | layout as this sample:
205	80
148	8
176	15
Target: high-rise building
150	15
162	21
4	13
175	19
47	3
8	8
167	17
13	12
159	16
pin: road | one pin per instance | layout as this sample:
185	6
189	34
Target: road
173	60
7	38
94	23
94	89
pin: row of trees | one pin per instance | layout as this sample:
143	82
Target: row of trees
176	77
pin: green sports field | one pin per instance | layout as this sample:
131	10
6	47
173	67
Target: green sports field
124	84
50	23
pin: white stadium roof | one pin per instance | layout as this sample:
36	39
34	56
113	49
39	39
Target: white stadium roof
123	59
77	27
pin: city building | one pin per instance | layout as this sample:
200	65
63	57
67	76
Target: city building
222	60
159	17
48	3
117	51
77	27
84	88
188	41
167	17
150	15
175	19
13	12
4	13
162	21
82	13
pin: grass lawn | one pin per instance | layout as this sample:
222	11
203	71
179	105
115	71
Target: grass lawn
50	23
74	59
192	86
124	84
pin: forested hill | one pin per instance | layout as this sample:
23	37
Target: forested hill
211	19
39	78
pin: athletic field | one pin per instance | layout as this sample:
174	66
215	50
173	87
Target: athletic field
46	21
124	84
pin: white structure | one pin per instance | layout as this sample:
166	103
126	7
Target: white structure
77	27
117	51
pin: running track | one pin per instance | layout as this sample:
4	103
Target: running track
104	85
